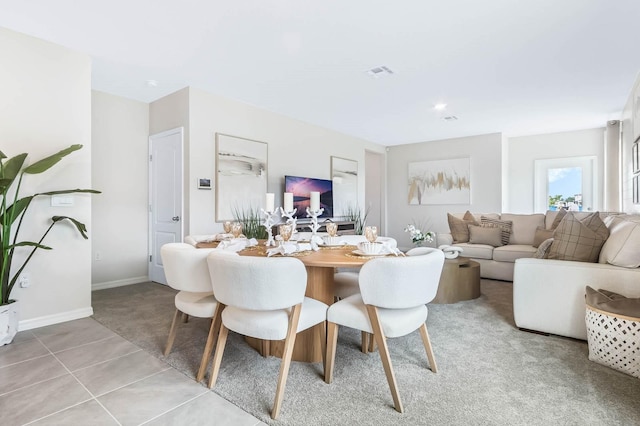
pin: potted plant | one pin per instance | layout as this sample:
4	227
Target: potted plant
12	210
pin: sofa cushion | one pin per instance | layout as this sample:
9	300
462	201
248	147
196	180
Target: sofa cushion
459	227
524	227
504	225
476	251
541	234
512	252
578	239
488	235
622	248
543	249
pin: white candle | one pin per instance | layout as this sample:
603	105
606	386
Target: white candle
315	201
288	201
270	204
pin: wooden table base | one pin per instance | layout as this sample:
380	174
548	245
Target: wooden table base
460	280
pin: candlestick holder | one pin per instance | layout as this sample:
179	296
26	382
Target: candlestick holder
268	224
291	219
313	214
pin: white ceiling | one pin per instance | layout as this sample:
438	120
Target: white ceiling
517	67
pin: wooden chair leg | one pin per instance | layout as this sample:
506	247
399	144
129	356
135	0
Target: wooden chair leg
185	318
172	333
332	341
217	357
384	356
427	346
266	348
365	342
372	344
322	330
211	338
286	359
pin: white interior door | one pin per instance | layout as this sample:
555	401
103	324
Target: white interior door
165	196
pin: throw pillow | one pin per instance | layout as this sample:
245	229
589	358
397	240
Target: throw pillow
543	248
614	303
459	228
556	221
579	239
622	248
541	235
488	235
504	225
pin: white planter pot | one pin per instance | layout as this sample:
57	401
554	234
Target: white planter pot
8	322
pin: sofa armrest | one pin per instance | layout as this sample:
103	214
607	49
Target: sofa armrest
444	238
548	295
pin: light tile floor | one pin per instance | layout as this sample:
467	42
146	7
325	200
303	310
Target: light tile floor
81	373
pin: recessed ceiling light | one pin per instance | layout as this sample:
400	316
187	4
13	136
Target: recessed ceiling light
379	71
152	83
440	107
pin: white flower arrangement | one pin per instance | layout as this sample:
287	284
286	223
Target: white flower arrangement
417	236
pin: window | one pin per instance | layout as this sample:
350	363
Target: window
568	183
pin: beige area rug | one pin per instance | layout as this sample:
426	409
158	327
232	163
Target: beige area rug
489	372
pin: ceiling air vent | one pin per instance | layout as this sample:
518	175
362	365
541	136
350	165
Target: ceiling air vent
450	118
379	71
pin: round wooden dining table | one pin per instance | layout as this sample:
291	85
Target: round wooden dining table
320	265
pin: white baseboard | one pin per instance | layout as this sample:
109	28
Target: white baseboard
55	318
119	283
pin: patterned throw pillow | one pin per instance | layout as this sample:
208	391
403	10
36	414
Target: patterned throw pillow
579	240
559	216
504	225
459	228
543	248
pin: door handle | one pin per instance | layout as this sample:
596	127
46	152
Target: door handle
175	218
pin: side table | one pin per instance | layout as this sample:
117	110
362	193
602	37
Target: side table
460	280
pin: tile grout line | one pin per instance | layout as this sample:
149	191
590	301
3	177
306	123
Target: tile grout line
108	360
174	408
86	344
81	384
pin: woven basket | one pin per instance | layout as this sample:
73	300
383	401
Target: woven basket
614	340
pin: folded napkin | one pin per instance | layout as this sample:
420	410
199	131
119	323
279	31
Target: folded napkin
237	244
291	247
223	237
386	249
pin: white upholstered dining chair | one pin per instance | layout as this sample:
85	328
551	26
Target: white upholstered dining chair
186	270
345	280
392	302
263	298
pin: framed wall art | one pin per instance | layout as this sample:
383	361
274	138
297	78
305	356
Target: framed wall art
344	174
440	182
241	175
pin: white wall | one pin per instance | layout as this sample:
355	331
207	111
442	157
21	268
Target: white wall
294	147
485	152
523	151
120	130
627	120
45	106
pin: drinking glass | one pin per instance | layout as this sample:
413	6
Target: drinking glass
285	231
371	233
332	229
227	227
236	229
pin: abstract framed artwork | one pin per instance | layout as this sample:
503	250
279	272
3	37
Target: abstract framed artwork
440	182
344	174
241	171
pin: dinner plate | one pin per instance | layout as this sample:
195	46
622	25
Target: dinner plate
361	253
332	245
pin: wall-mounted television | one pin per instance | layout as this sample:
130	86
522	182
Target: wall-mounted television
301	188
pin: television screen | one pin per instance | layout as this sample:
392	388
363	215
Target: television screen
301	188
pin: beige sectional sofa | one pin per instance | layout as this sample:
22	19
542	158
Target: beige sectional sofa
549	294
498	262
